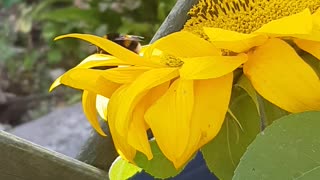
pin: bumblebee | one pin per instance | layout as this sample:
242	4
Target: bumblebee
131	42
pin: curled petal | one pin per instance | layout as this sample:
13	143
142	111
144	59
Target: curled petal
137	135
89	109
97	60
282	77
234	41
55	84
131	95
210	67
111	47
88	79
121	144
170	120
101	106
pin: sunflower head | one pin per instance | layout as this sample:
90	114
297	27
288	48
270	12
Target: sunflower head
244	16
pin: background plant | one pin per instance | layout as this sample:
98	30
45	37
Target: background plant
31	60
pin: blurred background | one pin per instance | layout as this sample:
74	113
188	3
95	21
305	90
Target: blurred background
30	60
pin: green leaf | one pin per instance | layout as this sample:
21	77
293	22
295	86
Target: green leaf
70	14
121	169
223	153
287	149
54	56
9	3
159	166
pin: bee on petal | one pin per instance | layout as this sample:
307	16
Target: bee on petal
130	42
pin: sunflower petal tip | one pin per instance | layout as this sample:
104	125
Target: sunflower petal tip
101	133
177	164
149	156
51	89
55	84
58	37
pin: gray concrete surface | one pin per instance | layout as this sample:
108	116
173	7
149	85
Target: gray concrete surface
64	130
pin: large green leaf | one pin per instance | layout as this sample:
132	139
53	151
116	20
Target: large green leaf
223	153
159	166
287	149
122	169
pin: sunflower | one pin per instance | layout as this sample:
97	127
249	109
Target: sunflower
271	33
179	88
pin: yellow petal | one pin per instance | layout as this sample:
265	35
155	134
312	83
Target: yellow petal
314	35
101	106
282	77
135	91
210	67
297	24
155	93
137	135
121	144
184	44
89	79
123	75
211	103
312	47
89	109
110	47
234	41
96	60
170	119
192	145
55	84
211	100
143	49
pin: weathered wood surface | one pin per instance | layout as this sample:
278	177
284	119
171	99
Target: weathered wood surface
23	160
99	151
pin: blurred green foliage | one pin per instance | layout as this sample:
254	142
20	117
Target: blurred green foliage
28	52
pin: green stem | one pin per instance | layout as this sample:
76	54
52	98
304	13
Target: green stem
175	20
263	117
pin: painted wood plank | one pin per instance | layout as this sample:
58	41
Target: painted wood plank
23	160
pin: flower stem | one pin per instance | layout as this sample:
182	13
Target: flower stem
262	113
175	20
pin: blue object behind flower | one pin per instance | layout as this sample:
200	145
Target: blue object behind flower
196	169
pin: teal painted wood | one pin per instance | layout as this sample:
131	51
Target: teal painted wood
23	160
